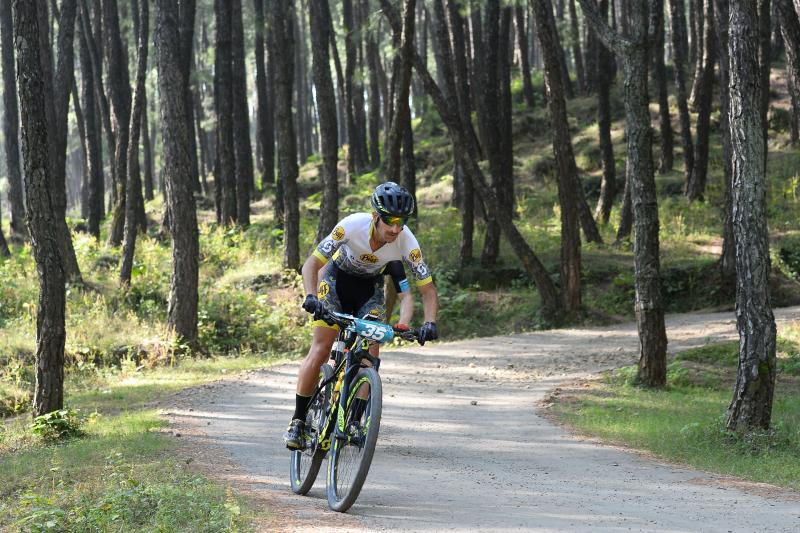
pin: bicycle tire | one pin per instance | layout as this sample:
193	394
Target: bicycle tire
304	465
344	484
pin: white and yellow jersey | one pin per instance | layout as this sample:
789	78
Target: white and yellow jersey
348	245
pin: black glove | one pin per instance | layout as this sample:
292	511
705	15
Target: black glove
313	306
428	332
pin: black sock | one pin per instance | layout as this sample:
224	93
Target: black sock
301	407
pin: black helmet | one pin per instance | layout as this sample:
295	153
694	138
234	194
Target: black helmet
392	199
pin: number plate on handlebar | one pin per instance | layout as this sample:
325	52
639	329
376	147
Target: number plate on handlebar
374	330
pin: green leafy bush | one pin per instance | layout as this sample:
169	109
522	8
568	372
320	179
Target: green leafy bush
57	425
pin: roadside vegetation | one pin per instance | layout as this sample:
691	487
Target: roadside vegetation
121	472
685	422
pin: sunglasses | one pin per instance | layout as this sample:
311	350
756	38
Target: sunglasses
394	221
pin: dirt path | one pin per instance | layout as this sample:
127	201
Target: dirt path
444	462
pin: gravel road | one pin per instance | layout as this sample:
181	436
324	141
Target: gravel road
462	447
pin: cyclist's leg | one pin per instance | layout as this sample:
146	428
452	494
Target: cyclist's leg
376	307
318	353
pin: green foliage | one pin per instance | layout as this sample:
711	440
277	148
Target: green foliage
57	425
119	477
685	421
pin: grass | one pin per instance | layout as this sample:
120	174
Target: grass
124	473
122	476
685	422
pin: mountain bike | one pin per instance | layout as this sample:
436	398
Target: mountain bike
344	413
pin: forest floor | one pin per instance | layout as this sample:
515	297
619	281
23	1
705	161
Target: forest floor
466	444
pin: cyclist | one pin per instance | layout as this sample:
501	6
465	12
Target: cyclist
361	246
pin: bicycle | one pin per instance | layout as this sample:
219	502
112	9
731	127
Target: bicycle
350	440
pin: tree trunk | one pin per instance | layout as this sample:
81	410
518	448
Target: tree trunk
705	92
178	180
632	51
94	152
660	75
11	126
350	88
728	257
790	29
48	393
373	64
608	184
359	115
402	90
120	90
282	43
565	159
409	165
57	91
186	11
462	90
698	32
677	10
264	131
577	55
299	93
134	185
148	151
751	406
225	179
93	43
320	25
764	56
243	151
522	43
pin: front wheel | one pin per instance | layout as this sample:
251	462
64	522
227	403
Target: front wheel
354	443
304	464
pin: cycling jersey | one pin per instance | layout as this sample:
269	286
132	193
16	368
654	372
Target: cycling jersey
348	246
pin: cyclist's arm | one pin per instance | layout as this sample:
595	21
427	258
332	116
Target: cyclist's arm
406	307
310	272
430	301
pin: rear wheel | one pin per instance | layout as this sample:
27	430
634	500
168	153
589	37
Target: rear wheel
304	464
351	454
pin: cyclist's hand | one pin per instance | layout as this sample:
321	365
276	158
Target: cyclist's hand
313	306
428	332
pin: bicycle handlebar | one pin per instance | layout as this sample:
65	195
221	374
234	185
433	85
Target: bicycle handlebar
344	320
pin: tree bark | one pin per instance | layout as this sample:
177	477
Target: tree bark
577	54
326	108
373	64
522	44
751	406
134	185
705	92
790	29
178	180
728	257
632	51
608	184
11	126
148	152
565	159
186	11
243	151
402	90
264	131
48	393
226	162
659	73
677	10
120	90
350	86
93	148
698	32
282	42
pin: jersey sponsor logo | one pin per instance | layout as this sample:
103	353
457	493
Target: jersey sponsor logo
326	247
421	271
338	233
415	255
368	258
323	290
